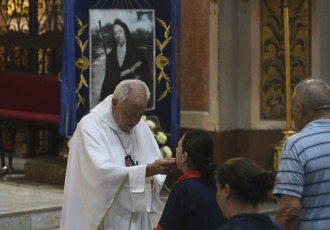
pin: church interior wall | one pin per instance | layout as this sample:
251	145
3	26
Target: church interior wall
238	129
237	73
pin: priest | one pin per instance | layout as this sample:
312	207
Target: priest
115	170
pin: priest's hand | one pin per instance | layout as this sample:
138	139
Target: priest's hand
161	166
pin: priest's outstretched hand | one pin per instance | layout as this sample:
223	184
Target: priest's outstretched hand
161	166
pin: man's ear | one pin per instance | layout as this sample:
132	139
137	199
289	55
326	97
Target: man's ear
114	102
301	110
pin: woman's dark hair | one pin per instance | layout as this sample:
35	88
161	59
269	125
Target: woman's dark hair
129	39
245	180
199	147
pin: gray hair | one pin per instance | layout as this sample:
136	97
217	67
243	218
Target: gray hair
124	88
315	95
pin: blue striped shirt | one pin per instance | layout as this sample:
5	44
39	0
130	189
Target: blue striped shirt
304	172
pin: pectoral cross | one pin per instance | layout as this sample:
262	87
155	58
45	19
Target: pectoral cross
129	161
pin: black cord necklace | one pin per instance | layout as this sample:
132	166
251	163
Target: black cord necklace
128	159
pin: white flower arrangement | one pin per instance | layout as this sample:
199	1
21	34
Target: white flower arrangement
151	124
166	152
160	137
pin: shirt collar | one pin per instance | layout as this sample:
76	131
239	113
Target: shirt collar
188	175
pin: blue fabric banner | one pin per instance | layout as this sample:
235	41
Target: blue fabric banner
75	88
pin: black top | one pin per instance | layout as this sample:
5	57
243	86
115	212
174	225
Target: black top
251	222
192	205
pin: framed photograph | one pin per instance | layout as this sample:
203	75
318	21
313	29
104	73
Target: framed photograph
122	46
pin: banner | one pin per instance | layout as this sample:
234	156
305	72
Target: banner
76	66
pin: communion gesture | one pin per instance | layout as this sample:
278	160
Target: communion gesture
115	170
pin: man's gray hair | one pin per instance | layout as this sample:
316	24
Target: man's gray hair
315	94
124	88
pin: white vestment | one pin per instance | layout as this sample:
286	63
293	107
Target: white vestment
100	191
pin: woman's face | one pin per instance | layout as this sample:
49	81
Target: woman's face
179	154
119	34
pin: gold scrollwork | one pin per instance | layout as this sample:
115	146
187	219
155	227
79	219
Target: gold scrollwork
273	97
82	63
10	8
162	61
18	7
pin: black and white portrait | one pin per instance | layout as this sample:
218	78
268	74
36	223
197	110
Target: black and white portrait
122	46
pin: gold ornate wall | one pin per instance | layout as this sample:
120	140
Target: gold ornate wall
273	102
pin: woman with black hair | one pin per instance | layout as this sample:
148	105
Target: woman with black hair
124	61
192	202
241	186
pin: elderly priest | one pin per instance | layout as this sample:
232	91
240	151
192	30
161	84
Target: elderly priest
112	178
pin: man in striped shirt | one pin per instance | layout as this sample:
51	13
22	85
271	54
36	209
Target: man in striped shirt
303	178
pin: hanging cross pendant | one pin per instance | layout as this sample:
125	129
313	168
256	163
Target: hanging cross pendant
128	161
